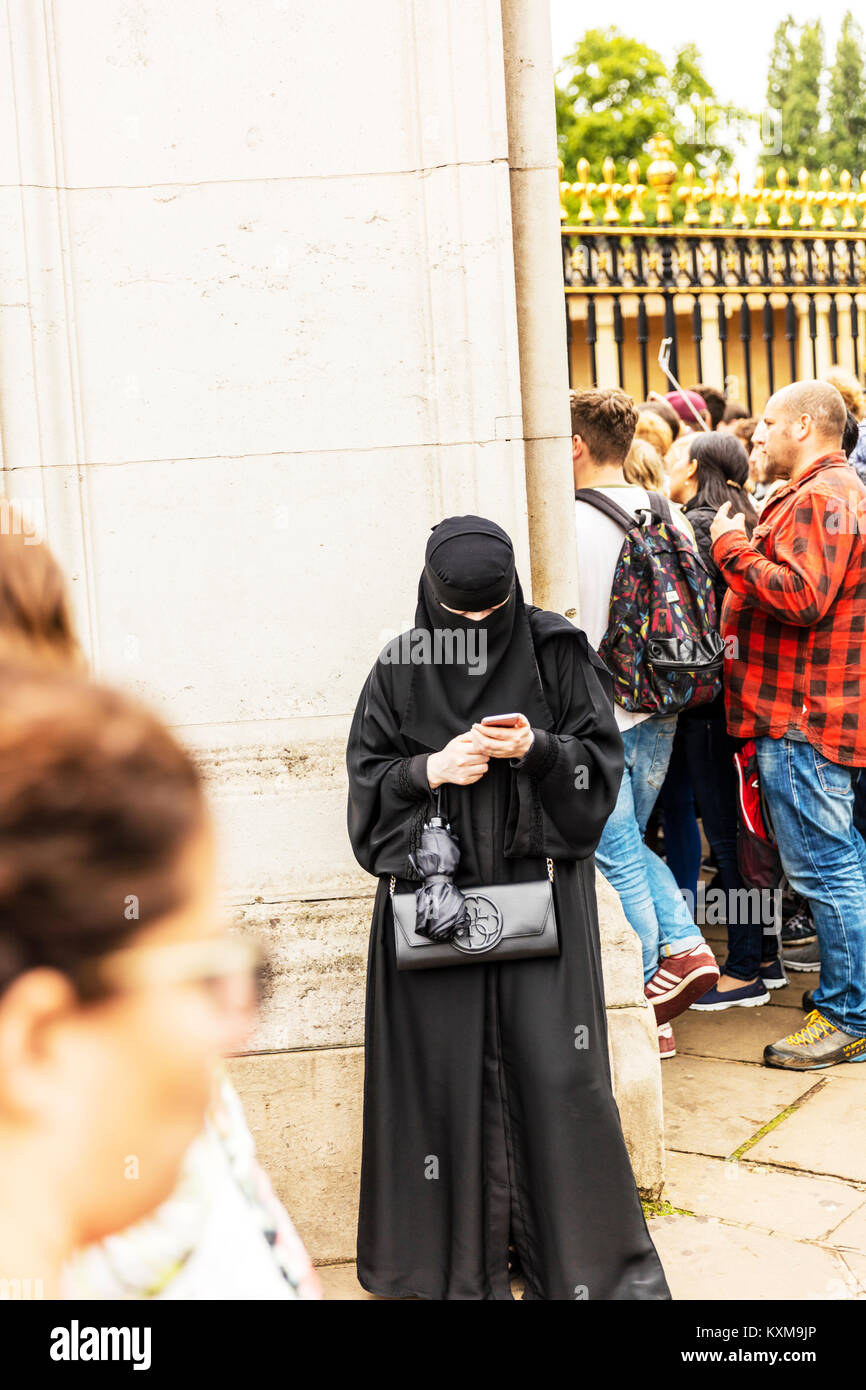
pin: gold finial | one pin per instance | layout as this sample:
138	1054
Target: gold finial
689	193
738	216
847	200
661	174
805	197
861	198
610	191
761	195
825	199
584	190
783	195
634	190
714	193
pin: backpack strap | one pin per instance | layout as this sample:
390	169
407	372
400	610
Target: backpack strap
660	508
605	504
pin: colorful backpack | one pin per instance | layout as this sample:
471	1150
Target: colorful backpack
662	646
757	852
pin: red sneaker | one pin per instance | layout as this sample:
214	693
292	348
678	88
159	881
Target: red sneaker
667	1046
680	980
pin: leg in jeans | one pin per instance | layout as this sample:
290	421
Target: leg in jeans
676	803
648	890
710	753
811	801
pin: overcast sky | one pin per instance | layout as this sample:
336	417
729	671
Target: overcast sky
734	38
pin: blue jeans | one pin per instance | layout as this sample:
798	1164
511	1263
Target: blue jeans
811	802
650	898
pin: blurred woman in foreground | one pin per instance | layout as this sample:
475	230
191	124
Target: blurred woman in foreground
118	991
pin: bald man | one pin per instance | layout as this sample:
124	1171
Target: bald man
794	622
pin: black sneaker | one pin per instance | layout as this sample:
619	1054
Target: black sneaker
806	957
808	1001
798	930
818	1044
773	975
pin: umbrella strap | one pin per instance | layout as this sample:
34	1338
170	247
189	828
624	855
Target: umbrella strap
393	884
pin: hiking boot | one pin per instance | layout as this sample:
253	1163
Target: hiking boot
746	998
773	975
798	930
807	957
667	1046
680	980
818	1044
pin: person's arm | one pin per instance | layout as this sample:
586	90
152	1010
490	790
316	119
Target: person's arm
566	786
389	794
812	547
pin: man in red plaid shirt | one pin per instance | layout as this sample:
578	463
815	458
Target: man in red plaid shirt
794	623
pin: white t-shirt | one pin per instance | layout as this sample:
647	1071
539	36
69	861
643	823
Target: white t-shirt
599	542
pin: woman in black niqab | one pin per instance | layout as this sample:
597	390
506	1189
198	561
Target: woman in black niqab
487	1122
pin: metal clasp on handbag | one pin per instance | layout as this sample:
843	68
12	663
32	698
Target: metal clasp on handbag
393	884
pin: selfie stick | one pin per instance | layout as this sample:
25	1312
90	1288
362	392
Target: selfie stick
664	362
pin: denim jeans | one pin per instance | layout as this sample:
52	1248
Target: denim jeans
709	752
811	801
676	808
650	898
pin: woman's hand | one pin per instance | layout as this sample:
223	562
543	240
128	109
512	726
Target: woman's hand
460	761
503	743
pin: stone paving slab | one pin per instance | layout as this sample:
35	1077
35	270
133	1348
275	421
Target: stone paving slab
738	1034
850	1234
706	1260
712	1107
857	1264
792	1204
341	1282
828	1135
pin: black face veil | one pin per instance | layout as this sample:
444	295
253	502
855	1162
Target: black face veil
463	669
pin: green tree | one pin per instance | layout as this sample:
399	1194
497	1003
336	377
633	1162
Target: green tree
846	107
794	95
614	92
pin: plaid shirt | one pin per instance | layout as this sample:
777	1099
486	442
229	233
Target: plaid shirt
794	617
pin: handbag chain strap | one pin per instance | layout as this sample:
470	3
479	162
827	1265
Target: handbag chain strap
393	883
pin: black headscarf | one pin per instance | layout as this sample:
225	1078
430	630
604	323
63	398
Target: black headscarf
469	565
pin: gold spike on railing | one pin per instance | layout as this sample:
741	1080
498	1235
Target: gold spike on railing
690	193
761	196
712	201
660	175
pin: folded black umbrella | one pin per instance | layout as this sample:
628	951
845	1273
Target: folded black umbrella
440	910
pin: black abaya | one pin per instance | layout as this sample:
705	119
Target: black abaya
488	1111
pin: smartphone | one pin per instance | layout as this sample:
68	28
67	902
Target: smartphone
502	721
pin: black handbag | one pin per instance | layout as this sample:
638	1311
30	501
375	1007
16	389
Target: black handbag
508	921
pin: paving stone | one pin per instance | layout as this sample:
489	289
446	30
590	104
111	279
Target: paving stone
341	1282
850	1234
828	1135
857	1265
792	1204
712	1107
738	1034
706	1260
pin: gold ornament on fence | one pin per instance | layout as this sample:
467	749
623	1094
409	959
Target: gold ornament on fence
714	202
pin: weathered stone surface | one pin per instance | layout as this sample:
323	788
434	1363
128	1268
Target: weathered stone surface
304	1109
341	1282
706	1261
636	1069
739	1034
620	951
796	1205
316	975
713	1107
850	1234
827	1136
